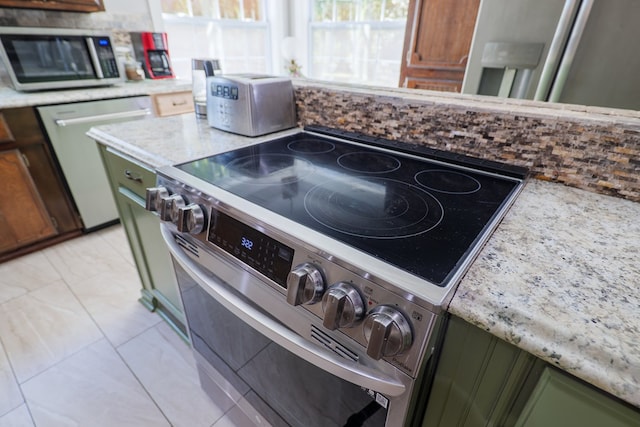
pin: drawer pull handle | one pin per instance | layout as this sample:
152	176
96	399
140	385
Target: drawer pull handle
176	104
132	176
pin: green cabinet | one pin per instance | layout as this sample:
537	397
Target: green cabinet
129	180
482	381
561	400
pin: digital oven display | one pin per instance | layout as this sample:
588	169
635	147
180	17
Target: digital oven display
253	248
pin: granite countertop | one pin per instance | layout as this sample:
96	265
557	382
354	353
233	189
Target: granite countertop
10	98
559	277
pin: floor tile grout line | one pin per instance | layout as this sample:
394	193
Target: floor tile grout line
112	229
141	383
15	378
115	348
61	361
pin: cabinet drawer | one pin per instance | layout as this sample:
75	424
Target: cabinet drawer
167	104
129	174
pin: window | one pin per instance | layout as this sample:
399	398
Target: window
357	41
233	31
353	41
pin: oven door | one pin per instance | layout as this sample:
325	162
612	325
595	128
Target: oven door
286	378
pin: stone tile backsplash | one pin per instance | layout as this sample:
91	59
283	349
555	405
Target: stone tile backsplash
596	149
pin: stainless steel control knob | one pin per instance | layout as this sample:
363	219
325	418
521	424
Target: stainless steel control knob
153	198
342	305
305	285
174	204
387	332
191	219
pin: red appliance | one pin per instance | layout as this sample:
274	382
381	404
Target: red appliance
152	49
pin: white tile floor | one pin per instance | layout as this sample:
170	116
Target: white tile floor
78	349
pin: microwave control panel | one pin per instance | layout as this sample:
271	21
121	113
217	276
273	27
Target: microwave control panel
105	56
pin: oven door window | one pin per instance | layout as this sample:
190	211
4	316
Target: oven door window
284	388
48	58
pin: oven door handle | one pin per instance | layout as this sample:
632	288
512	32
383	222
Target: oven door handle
328	361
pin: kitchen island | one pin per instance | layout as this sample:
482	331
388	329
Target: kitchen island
557	279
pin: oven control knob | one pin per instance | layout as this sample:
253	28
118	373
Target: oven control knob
191	219
154	196
174	204
305	285
342	305
387	332
164	207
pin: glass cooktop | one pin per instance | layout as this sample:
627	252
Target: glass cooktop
423	215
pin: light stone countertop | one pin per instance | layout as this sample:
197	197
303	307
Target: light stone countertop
10	98
171	140
560	277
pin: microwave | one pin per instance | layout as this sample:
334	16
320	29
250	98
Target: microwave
48	58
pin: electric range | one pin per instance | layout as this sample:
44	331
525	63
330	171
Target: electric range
354	243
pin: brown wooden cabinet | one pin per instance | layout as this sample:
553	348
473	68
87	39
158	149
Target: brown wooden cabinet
437	42
63	5
23	217
35	209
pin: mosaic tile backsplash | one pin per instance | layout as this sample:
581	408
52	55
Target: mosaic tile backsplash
590	148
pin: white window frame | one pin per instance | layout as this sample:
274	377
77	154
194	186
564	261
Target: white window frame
285	19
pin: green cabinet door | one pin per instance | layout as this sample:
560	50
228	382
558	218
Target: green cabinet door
482	381
128	180
560	400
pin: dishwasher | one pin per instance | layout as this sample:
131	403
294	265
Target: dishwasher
78	155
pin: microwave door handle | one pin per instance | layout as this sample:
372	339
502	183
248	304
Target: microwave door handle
323	359
94	57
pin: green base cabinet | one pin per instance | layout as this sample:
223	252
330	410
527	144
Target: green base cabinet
479	380
129	180
482	381
561	400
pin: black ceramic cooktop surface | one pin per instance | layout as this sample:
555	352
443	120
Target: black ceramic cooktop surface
422	215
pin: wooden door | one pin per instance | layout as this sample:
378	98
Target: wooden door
437	42
23	216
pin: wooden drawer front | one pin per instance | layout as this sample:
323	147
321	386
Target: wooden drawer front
128	174
168	104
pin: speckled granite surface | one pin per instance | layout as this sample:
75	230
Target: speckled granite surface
559	278
10	98
170	140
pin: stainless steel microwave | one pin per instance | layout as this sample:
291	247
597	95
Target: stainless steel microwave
53	58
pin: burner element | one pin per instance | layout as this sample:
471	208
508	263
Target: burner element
369	162
269	169
376	208
311	146
449	182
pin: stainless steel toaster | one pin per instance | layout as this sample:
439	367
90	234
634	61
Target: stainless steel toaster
250	104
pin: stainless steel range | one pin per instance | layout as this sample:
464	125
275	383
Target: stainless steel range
314	269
